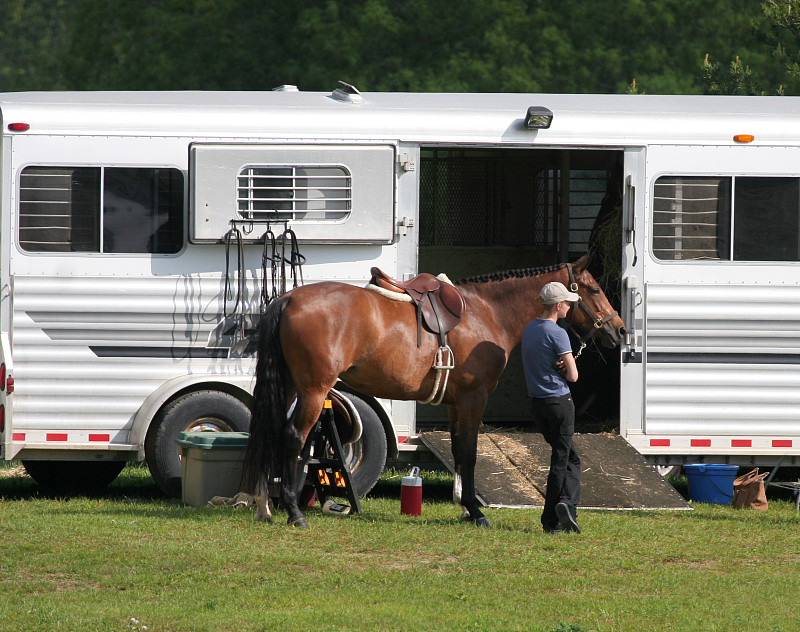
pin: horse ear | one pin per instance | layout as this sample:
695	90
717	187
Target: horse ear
581	264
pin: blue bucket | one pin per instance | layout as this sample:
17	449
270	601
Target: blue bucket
711	483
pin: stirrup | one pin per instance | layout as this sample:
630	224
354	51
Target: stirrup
439	366
438	359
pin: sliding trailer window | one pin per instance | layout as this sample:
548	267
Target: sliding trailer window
101	210
732	218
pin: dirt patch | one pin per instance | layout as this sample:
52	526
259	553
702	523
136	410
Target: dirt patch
13	472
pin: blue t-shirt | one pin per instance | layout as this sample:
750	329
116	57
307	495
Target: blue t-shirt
543	344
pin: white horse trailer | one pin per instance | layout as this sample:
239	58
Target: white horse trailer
123	307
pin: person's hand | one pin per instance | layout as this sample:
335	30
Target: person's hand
560	367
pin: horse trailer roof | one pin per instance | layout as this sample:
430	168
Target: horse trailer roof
578	120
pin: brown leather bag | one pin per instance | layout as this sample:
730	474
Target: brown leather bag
749	492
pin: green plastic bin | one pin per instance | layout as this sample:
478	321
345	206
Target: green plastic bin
211	465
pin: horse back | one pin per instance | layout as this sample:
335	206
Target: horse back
330	313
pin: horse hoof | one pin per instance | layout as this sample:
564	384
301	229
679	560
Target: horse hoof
300	523
262	518
482	522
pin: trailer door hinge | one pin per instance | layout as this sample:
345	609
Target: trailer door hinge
406	163
404	224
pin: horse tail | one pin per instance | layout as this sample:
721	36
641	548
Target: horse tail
264	447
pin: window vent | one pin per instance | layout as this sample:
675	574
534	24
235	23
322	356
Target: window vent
294	193
690	218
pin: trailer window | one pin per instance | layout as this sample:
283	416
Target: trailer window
101	209
738	218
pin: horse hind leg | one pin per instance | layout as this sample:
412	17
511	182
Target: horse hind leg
262	501
304	418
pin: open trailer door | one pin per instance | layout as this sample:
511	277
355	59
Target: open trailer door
632	301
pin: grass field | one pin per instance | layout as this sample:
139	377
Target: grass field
131	560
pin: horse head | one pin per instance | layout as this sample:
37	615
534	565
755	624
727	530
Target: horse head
593	315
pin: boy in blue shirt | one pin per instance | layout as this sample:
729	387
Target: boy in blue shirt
549	365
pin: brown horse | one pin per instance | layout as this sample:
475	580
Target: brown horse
317	334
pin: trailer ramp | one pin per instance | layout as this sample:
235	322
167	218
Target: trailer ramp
512	469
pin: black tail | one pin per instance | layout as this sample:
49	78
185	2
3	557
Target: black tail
265	448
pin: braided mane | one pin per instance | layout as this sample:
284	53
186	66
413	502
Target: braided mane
519	273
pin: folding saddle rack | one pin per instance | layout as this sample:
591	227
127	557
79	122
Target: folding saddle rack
328	473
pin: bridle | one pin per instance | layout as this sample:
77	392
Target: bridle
598	322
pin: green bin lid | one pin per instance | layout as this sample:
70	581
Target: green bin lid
213	440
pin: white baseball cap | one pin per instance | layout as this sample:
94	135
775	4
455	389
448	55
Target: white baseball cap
555	292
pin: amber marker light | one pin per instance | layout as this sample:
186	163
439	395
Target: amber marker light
744	138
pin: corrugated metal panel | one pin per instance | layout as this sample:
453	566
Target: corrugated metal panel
722	360
64	382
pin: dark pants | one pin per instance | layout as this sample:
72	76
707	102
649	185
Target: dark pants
555	417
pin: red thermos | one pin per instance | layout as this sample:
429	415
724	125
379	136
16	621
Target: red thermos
411	493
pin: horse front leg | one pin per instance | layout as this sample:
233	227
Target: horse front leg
464	439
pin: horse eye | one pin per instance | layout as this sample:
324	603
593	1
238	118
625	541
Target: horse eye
594	290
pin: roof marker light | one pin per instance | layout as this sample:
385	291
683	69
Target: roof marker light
538	117
19	127
744	138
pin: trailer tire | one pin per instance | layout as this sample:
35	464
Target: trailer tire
366	458
669	471
206	410
65	477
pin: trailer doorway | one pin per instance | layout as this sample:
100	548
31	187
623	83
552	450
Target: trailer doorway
489	209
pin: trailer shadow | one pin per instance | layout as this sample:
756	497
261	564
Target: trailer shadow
134	483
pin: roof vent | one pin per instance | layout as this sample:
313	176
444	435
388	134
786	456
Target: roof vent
286	88
347	94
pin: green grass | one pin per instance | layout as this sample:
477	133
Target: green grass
95	563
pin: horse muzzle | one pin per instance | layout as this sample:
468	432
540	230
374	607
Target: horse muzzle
611	331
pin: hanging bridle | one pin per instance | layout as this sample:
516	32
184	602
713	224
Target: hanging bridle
598	322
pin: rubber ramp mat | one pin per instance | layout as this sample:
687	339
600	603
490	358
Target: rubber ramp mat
512	468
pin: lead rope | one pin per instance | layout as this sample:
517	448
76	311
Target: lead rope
234	235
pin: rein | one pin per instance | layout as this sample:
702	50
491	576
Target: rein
597	321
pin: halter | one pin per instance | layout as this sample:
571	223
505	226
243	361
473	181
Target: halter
598	322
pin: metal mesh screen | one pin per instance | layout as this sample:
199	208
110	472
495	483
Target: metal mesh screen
477	197
483	199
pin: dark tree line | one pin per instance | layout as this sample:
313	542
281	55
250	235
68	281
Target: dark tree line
399	45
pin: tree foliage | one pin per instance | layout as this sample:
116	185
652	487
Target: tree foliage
399	45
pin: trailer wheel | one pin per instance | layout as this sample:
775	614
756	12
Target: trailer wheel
366	458
64	477
668	471
200	411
